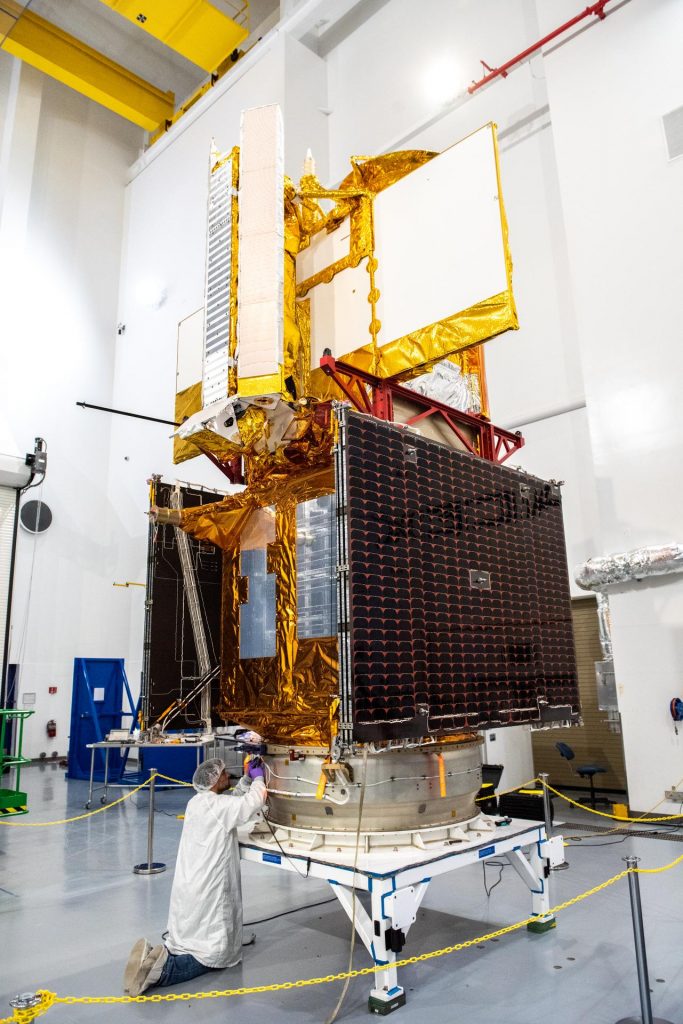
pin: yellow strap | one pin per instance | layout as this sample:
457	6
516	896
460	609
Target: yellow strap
322	783
442	774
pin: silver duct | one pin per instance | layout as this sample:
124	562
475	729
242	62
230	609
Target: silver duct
598	573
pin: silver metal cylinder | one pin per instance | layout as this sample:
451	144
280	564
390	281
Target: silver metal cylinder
150	867
150	818
407	788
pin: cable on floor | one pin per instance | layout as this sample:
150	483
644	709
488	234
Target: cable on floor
294	910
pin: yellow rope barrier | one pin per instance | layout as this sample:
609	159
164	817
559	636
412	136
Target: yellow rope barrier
79	817
496	794
604	814
169	778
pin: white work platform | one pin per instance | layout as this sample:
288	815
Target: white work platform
397	877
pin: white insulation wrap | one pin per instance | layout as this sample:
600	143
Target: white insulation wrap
446	383
597	573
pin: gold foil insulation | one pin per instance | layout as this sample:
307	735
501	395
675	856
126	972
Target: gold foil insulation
187	403
290	698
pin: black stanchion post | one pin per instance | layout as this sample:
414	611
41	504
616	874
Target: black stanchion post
641	954
151	867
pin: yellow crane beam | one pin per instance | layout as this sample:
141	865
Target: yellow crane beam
194	28
62	56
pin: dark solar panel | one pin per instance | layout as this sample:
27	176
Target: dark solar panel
170	659
460	612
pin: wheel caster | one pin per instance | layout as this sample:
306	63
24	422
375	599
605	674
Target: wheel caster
87	806
103	799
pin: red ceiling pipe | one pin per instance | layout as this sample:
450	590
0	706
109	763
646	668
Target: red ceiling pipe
596	10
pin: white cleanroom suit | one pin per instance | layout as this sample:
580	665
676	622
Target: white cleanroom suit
205	917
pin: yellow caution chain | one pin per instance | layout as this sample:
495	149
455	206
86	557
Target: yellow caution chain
49	999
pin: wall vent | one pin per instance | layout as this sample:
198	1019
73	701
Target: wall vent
673	132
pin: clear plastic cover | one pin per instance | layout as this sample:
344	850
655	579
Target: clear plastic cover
316	559
257	614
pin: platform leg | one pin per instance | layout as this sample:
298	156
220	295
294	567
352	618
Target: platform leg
540	895
386	995
535	873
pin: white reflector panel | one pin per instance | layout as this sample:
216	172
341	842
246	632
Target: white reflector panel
261	243
439	245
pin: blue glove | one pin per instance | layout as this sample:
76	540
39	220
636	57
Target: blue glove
255	771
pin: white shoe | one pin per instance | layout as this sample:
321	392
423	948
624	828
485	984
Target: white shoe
248	938
137	956
150	971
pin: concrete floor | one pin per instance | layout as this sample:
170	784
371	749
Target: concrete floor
70	908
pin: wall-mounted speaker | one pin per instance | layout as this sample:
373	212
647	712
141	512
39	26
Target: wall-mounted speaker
35	516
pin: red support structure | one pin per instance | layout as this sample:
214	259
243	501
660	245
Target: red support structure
596	10
232	469
370	394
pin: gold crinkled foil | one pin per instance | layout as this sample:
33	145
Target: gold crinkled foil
187	402
308	718
289	698
375	173
421	349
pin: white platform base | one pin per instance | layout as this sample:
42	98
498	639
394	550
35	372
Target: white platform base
397	877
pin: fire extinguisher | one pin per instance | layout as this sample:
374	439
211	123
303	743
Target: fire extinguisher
52	728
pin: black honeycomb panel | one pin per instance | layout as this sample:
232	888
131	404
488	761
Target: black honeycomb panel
458	585
171	667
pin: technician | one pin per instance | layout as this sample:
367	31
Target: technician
205	916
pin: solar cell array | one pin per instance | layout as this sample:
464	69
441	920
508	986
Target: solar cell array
460	612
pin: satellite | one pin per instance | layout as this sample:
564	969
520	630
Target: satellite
383	587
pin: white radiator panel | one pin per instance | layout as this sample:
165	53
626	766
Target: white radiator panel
440	249
219	256
261	243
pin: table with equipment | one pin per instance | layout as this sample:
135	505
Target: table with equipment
204	744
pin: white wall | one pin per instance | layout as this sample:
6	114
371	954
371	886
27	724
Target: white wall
63	164
624	244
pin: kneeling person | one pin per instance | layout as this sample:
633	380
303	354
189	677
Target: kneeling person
205	916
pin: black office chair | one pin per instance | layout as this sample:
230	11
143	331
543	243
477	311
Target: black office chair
585	771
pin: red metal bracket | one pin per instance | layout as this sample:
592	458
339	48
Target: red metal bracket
232	469
372	395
